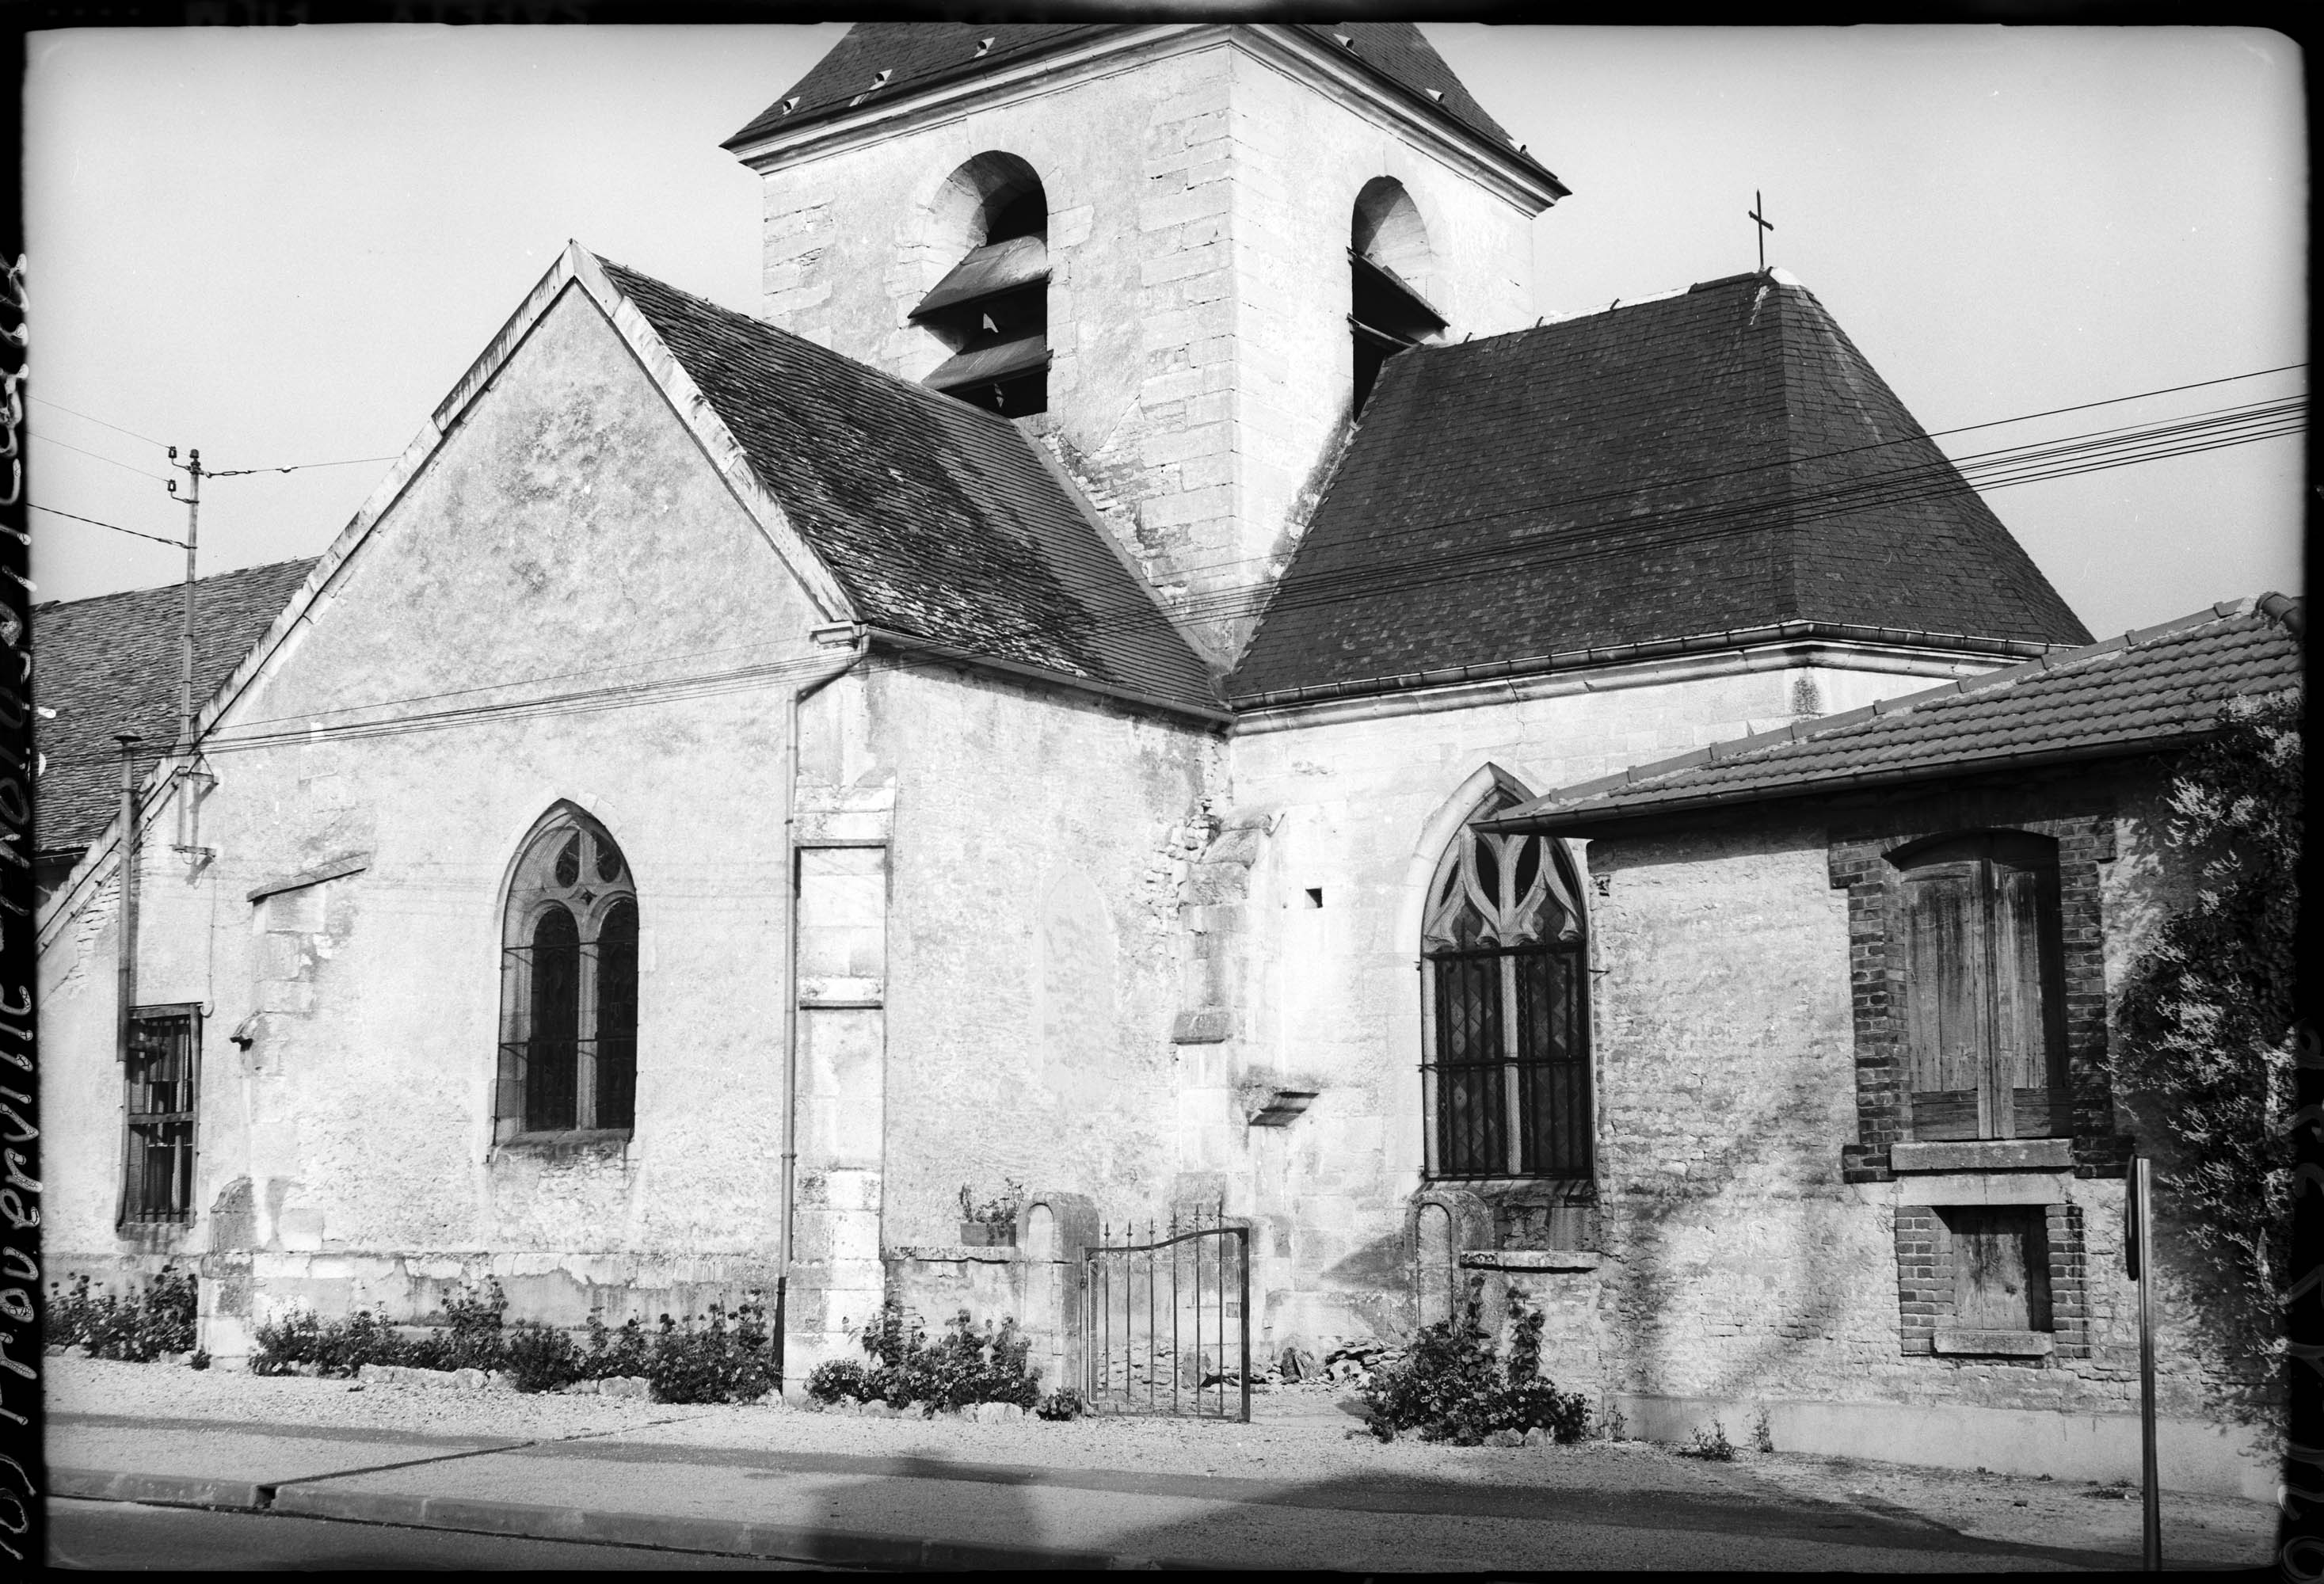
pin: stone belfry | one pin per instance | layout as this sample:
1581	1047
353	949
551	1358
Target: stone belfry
1177	252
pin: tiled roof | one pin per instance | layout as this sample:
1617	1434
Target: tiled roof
109	665
940	519
2161	687
922	54
1713	460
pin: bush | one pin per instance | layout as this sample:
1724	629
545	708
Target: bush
1062	1402
537	1357
150	1322
836	1380
715	1363
1714	1448
1449	1386
623	1351
966	1366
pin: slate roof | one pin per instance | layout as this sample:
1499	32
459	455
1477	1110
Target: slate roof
941	521
2161	687
109	665
923	54
1713	460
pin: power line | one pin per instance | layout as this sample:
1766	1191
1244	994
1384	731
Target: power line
295	467
67	445
115	527
115	427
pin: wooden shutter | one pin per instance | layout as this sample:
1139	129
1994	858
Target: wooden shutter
2028	1089
1947	1031
2001	1268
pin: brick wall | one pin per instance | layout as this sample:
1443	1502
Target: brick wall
2079	817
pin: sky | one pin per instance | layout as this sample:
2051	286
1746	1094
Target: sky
284	245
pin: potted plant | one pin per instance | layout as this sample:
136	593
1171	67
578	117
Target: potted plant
991	1223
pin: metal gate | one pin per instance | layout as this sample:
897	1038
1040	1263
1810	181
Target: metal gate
1166	1322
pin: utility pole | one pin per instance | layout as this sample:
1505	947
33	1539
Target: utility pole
190	768
192	468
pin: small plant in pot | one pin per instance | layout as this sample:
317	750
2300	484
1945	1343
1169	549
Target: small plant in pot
991	1222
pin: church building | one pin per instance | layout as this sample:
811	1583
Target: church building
1068	692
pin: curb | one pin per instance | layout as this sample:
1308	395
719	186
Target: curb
169	1490
541	1521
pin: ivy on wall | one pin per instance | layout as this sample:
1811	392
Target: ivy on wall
2203	1044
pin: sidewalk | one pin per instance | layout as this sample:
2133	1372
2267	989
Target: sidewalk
1290	1490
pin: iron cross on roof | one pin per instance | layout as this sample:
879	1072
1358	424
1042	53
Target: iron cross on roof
1766	226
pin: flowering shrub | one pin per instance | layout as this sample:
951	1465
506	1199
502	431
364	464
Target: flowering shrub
964	1366
1449	1386
721	1360
151	1321
714	1363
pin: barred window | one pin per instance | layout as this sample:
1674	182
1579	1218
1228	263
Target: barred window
569	984
1505	976
161	1082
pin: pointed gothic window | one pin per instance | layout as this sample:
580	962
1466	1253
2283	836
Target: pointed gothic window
1505	977
1388	248
991	308
569	984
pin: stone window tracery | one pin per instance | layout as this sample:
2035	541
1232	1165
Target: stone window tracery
1505	976
569	984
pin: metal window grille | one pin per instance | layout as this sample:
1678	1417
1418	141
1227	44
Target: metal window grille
161	1082
1492	1091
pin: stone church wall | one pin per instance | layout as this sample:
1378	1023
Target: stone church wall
566	534
1359	805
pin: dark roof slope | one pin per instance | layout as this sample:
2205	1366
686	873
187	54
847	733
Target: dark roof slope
923	54
2157	688
940	519
1715	460
109	665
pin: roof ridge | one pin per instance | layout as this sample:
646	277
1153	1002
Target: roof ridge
1903	703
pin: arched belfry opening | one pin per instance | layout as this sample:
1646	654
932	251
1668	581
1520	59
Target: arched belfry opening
992	310
1388	266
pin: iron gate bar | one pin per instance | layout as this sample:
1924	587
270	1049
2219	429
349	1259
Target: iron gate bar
1099	1264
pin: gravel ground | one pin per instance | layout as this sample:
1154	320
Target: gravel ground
1299	1434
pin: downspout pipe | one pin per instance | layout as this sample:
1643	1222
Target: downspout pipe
125	952
860	643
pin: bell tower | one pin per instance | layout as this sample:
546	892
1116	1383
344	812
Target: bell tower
1178	254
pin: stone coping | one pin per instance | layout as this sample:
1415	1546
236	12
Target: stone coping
954	1252
1574	1260
1982	1155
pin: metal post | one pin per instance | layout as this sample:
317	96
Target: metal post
1242	1241
1174	1311
2142	1233
1149	1312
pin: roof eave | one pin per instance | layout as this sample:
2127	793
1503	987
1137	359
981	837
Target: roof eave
1630	818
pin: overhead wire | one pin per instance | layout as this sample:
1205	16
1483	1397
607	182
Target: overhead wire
1932	478
115	527
102	423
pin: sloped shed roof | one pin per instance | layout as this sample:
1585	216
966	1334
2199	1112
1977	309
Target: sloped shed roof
2161	687
1714	460
923	54
941	521
109	665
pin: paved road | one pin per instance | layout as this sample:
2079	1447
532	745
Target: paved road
124	1536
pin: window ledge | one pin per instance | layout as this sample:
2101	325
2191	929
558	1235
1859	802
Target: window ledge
1983	1155
1997	1344
572	1141
955	1253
